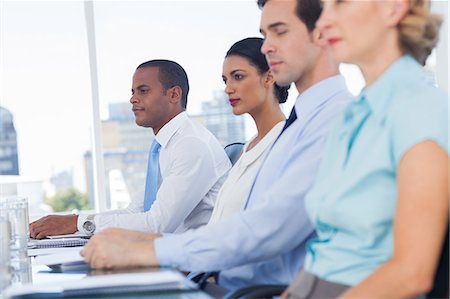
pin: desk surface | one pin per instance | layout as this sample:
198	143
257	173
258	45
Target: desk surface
28	273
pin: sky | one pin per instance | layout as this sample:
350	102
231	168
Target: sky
44	73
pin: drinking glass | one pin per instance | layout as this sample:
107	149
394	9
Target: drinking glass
5	257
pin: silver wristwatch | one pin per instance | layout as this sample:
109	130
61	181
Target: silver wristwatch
89	225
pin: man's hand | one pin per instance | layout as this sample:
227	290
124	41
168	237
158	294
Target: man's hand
130	235
110	250
53	225
285	294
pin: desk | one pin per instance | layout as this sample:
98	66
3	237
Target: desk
29	273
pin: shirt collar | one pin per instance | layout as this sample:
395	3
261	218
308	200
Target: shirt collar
261	146
381	93
318	94
168	130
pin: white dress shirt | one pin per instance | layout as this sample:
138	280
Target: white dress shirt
193	167
265	242
235	189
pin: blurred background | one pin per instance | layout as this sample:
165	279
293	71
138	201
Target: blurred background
50	122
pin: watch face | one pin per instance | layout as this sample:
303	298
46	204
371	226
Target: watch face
89	226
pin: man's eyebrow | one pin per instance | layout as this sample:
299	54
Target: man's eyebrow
139	87
273	26
142	86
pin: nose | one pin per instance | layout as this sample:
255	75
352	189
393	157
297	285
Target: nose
324	22
229	89
133	99
267	46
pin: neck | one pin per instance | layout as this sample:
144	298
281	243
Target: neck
379	58
325	67
167	120
265	119
376	66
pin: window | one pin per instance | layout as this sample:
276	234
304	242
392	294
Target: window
45	84
45	88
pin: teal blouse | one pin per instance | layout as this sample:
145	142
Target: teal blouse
353	202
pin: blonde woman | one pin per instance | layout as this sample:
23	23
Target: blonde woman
380	203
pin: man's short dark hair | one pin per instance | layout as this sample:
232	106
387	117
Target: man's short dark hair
170	74
308	11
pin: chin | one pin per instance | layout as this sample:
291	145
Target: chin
237	111
281	81
142	124
342	56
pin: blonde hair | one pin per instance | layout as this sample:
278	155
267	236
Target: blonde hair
419	30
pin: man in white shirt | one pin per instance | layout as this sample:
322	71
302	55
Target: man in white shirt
192	163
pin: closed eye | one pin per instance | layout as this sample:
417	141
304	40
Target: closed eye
280	31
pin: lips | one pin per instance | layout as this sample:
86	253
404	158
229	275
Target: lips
274	64
333	40
137	109
233	102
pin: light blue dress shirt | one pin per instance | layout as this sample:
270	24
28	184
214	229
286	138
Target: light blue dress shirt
265	243
353	202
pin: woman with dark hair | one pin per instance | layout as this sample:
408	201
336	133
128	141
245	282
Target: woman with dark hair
251	89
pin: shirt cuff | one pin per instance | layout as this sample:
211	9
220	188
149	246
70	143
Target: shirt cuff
81	219
169	251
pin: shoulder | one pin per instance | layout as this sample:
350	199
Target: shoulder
192	128
418	113
419	104
195	141
191	132
329	113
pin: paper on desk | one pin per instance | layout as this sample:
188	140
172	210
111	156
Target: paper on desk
45	251
69	256
108	284
61	242
75	235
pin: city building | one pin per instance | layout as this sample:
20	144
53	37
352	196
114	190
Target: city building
125	153
217	116
9	164
60	181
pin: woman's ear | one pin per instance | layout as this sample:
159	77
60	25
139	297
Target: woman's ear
269	80
396	10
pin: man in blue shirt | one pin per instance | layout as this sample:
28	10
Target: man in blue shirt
265	242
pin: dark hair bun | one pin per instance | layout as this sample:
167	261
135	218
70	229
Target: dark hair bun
282	92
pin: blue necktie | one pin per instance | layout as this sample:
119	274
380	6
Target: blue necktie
151	183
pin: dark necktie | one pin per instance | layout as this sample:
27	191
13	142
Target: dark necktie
290	120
